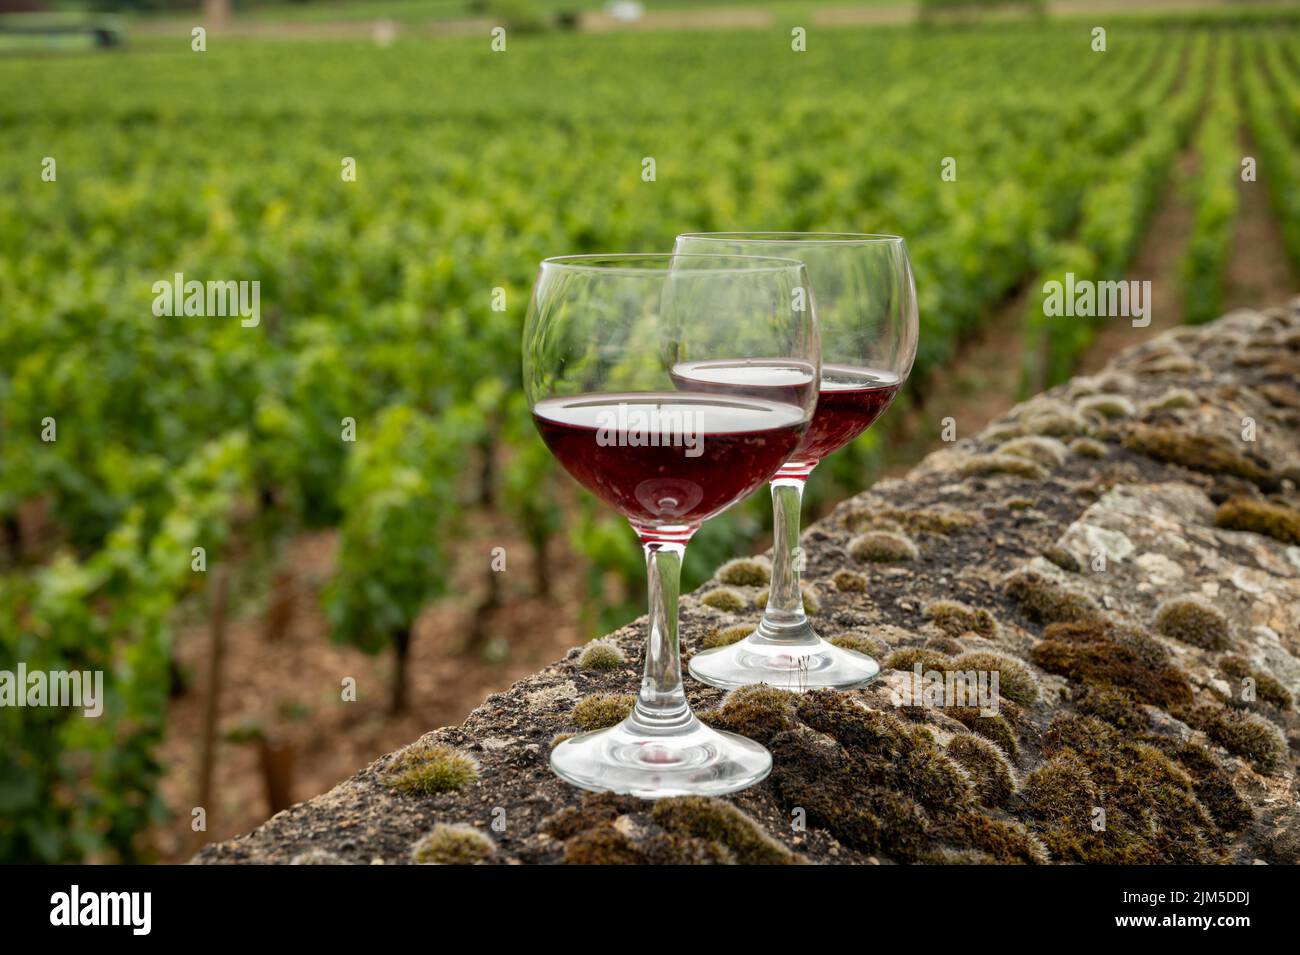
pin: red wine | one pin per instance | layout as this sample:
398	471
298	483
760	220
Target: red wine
851	398
671	458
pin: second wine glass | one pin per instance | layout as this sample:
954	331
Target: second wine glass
866	309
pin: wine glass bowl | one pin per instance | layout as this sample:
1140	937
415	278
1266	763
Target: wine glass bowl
867	317
604	342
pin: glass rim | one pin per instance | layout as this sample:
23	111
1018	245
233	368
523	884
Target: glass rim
599	263
811	238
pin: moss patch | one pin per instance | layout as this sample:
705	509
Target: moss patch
716	821
956	618
906	658
602	709
1267	688
1088	448
1193	621
1260	517
1213	454
427	768
1015	680
1047	452
1103	655
725	599
940	522
727	636
883	547
601	655
988	768
1044	600
850	581
745	572
453	844
992	465
861	644
1106	406
758	711
1243	734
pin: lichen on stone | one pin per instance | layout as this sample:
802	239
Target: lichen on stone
601	655
453	844
883	547
1193	621
745	572
602	709
425	768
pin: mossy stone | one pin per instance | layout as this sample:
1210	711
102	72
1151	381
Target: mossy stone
745	572
1044	600
1193	621
601	655
883	547
602	709
727	636
426	768
992	465
725	599
956	618
453	844
1257	516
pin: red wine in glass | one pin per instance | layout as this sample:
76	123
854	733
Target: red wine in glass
672	458
851	398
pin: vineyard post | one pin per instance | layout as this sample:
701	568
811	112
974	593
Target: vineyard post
212	697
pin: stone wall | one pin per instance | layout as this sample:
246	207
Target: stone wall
1123	550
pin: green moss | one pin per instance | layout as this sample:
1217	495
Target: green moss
757	711
1244	734
453	844
318	857
945	645
601	655
1044	600
1062	558
1060	791
1018	504
1213	454
996	728
727	636
991	465
850	581
812	603
725	599
1099	654
1054	421
601	710
861	644
940	522
1106	406
906	658
988	768
1267	688
1193	621
425	768
602	845
1115	706
745	572
717	821
1172	400
1046	452
1088	448
559	738
1015	680
1213	786
883	547
956	618
1259	517
1005	843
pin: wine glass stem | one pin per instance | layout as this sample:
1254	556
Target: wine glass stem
784	617
661	704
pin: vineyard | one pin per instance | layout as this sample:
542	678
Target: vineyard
393	203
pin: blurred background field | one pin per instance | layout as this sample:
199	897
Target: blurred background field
391	308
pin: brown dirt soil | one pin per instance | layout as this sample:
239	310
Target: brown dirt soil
290	687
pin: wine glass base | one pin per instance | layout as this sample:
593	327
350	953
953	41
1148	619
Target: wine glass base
807	664
693	761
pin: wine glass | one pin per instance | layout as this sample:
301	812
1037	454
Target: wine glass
603	336
866	310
